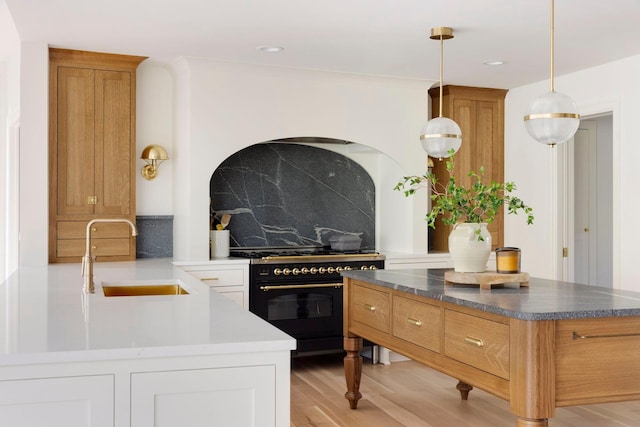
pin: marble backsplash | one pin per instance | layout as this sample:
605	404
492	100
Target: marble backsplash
281	194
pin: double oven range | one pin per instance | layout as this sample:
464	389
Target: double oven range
299	290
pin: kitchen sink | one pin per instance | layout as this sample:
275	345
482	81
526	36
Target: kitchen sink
130	289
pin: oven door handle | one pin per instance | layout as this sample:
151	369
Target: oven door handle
320	285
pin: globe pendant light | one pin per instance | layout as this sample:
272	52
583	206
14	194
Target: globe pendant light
553	117
440	135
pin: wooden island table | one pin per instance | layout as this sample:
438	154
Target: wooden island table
548	345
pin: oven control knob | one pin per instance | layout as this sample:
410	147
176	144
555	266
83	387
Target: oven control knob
295	271
277	272
331	270
347	268
286	271
339	269
364	267
305	270
322	270
313	270
373	267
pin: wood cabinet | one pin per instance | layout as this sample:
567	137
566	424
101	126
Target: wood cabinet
91	152
480	114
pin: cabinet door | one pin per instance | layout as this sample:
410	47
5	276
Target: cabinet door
242	396
113	142
73	402
75	141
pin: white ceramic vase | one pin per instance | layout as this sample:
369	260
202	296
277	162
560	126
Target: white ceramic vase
469	254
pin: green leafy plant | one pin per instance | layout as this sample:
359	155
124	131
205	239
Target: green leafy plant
480	203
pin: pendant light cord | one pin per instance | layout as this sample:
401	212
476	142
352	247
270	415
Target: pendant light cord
441	60
552	48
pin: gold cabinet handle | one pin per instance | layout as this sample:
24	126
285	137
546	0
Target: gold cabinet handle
370	307
577	336
94	247
474	341
208	278
94	229
413	321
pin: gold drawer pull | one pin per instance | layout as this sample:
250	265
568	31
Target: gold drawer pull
94	229
415	322
94	247
370	307
577	336
474	341
208	278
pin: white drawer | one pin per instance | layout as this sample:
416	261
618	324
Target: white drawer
220	278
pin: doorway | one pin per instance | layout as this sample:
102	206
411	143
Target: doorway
588	212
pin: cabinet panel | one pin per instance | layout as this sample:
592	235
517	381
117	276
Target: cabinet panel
371	307
417	322
599	364
99	248
478	342
104	230
74	401
75	149
113	142
241	396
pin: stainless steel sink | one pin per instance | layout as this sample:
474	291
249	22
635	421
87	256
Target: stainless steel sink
143	289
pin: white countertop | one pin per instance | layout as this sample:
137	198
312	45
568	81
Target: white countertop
46	317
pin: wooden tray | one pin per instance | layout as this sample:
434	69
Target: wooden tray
486	279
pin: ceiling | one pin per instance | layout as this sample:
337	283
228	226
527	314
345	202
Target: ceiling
377	37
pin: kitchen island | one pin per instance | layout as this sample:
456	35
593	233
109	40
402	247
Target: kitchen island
68	358
548	345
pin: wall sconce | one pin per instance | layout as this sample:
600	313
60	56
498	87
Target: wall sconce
154	155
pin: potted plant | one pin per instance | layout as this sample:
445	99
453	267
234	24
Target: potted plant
468	210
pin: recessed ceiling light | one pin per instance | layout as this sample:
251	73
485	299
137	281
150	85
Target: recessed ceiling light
270	49
493	62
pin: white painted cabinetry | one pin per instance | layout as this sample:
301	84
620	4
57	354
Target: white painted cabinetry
205	397
229	279
67	401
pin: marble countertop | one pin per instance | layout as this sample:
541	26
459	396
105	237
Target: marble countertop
542	300
46	317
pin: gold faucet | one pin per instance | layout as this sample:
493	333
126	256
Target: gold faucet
87	261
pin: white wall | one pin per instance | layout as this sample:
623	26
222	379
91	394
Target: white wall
222	108
610	87
154	125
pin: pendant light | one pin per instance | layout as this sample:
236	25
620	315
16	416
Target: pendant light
553	117
439	135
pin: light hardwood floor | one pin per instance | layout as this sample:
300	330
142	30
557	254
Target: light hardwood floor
411	394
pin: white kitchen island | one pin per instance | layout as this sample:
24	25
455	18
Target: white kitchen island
73	359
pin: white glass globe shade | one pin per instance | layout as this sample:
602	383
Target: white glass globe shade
552	118
439	135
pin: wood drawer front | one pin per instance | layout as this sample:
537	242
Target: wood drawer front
371	307
604	363
478	342
220	278
417	322
102	230
101	247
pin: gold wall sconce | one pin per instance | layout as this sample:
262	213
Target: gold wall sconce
154	155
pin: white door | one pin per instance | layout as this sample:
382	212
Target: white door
586	203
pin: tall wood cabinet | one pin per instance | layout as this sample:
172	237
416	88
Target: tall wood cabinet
92	145
480	114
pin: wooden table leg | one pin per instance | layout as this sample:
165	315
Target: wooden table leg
525	422
353	369
464	390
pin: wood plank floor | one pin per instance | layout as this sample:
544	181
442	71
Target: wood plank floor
411	394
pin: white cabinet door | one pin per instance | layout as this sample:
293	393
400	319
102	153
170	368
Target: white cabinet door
229	397
68	402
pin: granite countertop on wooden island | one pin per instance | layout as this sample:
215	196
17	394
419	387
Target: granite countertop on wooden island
540	347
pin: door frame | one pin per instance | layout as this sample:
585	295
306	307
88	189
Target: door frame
563	207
